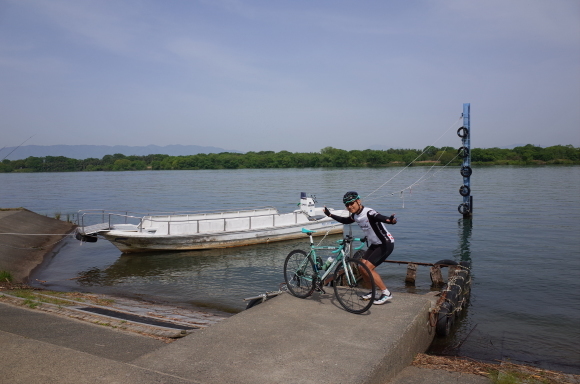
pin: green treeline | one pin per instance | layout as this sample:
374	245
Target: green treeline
327	157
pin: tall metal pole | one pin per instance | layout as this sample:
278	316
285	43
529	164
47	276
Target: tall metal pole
465	208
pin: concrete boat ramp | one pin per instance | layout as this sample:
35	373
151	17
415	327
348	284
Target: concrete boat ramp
291	340
283	340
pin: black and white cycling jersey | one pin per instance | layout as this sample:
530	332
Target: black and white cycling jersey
372	223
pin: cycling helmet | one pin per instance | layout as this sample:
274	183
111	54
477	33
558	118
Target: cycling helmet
349	197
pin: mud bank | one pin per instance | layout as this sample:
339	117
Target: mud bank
25	239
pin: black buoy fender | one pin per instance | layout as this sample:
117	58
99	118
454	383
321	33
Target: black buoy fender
86	238
466	171
463	208
446	262
463	152
445	320
462	132
452	296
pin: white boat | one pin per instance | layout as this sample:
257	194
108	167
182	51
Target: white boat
190	231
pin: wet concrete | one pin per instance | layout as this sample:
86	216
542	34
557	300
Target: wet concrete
25	238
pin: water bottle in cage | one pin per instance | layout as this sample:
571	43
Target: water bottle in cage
328	263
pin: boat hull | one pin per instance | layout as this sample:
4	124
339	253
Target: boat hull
133	241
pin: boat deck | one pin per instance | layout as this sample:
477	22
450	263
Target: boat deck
93	229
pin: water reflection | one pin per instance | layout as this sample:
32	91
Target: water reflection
463	252
218	278
175	263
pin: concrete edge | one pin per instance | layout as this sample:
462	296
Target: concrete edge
103	320
84	304
415	339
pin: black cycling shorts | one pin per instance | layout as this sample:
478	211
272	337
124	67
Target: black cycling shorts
376	254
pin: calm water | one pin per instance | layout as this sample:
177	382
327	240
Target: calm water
523	242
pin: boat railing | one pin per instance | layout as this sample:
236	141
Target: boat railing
172	213
172	222
217	224
92	217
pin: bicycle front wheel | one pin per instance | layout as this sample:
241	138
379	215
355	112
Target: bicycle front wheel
299	273
354	286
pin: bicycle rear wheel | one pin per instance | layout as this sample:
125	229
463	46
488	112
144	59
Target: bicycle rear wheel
350	287
299	273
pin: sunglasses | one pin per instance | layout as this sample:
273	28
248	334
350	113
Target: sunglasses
349	203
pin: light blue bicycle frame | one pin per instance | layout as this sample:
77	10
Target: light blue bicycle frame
341	251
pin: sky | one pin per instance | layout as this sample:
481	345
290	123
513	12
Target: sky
289	75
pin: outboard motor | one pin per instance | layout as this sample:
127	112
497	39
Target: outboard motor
307	204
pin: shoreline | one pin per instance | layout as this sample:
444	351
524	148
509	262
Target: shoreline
26	239
34	249
425	163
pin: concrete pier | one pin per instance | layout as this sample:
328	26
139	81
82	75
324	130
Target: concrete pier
309	340
284	339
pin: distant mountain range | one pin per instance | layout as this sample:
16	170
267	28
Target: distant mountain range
98	151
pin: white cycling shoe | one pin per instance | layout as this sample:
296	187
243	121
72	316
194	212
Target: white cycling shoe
383	299
367	296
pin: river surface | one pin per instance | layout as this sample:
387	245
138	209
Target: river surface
523	243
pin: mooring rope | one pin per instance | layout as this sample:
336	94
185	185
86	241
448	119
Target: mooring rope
21	144
37	234
423	179
323	237
414	160
443	297
64	236
39	247
419	181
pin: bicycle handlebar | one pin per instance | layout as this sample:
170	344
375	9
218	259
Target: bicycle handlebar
349	239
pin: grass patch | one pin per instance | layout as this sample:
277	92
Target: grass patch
57	298
5	277
517	377
30	296
23	293
84	297
103	302
499	373
31	303
103	324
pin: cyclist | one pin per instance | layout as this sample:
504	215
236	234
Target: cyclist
381	242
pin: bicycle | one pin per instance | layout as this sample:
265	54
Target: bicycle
304	273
